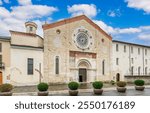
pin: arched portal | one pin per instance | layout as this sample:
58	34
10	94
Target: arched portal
1	78
83	65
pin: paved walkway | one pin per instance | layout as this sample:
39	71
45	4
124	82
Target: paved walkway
108	91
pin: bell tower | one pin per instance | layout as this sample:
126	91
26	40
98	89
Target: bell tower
31	27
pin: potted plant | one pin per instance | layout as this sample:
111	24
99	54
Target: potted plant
98	85
5	89
73	88
121	86
139	85
42	87
112	82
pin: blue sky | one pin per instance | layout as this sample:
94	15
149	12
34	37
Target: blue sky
125	20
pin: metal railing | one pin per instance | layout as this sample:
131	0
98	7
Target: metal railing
137	74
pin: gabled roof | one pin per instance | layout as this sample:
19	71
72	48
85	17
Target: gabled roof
74	19
26	34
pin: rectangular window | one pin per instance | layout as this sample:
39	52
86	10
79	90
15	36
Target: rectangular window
145	51
30	66
131	49
117	48
103	67
139	51
124	48
31	28
0	47
117	61
132	60
146	61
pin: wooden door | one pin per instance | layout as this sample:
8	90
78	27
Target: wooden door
1	79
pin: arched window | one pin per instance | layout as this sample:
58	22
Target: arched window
139	70
103	67
57	65
145	70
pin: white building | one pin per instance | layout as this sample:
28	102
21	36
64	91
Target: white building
25	57
129	59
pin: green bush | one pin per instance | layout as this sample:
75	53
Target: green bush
112	82
73	85
97	85
6	87
121	84
139	82
42	86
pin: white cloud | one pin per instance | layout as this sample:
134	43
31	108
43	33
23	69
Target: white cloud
114	13
1	3
105	27
15	18
128	30
144	37
141	32
89	10
32	11
25	2
4	13
139	4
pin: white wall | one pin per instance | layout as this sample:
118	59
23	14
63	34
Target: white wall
18	69
125	62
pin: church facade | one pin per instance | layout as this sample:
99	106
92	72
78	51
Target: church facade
76	49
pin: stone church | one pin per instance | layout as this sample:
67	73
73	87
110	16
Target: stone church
76	49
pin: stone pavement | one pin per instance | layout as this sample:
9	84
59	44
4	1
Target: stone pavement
108	91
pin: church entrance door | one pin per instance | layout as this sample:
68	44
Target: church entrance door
82	74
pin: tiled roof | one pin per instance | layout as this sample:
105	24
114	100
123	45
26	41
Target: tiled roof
24	33
131	43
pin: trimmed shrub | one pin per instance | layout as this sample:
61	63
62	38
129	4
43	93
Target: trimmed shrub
73	85
112	82
42	86
97	85
139	82
6	87
121	84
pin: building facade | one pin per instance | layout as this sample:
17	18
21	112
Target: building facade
130	60
4	58
74	49
23	57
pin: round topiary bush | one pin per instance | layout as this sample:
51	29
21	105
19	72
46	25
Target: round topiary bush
139	82
73	85
97	84
121	84
6	87
42	86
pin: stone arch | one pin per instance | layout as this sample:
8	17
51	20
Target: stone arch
83	66
83	63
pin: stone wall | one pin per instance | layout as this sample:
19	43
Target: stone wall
131	79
